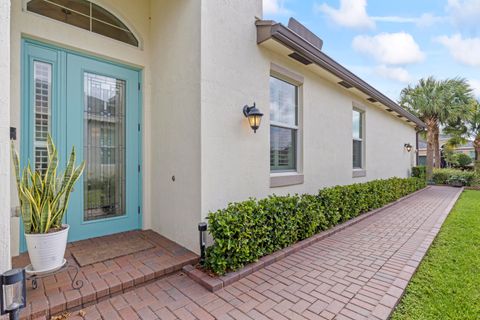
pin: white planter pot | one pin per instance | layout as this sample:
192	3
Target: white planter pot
46	250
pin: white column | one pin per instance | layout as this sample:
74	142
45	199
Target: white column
5	258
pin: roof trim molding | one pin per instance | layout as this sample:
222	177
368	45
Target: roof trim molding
267	29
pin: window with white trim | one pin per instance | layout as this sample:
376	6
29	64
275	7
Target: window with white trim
358	139
283	125
86	15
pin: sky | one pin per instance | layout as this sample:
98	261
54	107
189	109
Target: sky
393	43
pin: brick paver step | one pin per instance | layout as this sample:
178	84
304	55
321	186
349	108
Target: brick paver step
106	279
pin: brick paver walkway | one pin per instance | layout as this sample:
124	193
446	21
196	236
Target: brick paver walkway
357	273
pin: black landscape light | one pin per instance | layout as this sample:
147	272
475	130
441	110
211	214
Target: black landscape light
13	293
202	227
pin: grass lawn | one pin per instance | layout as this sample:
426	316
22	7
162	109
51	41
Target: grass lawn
447	284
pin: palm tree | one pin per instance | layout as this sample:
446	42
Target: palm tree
436	103
474	126
457	101
462	131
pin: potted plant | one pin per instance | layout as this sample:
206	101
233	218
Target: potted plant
43	202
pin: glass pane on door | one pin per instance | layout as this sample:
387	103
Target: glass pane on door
42	74
104	147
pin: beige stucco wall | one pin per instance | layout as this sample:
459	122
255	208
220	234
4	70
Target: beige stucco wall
201	66
134	13
5	260
175	120
235	161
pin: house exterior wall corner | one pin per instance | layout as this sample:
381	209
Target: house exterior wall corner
5	255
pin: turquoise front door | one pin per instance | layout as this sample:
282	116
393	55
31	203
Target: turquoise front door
94	105
102	123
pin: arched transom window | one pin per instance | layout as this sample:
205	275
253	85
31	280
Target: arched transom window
86	15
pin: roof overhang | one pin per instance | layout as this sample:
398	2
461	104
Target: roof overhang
306	53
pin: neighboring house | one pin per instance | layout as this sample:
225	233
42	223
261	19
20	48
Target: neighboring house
151	94
466	148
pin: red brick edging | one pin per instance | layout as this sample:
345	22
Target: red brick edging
214	284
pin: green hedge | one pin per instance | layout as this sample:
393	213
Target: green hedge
419	172
246	231
444	176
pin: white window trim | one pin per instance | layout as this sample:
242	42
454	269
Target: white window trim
295	176
283	125
362	171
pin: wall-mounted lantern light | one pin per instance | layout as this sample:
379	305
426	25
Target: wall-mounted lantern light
13	293
408	147
254	116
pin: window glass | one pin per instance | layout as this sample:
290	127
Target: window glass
60	13
357	125
79	6
104	147
357	154
283	128
107	143
113	32
42	78
282	148
101	14
357	133
422	160
85	15
283	102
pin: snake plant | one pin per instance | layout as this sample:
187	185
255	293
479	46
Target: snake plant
44	196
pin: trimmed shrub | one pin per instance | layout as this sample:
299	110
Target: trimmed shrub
419	172
311	216
282	215
443	176
461	160
476	180
241	234
245	231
